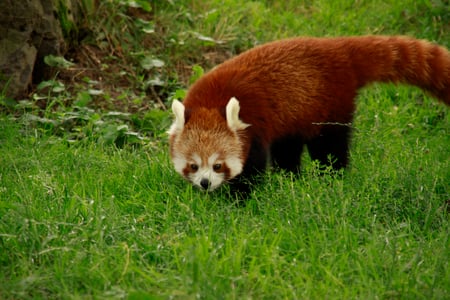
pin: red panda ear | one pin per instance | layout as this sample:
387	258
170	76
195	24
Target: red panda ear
178	111
232	115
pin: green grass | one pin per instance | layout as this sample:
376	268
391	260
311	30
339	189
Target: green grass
84	215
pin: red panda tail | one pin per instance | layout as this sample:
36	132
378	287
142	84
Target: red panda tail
404	60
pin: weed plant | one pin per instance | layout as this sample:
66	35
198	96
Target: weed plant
91	208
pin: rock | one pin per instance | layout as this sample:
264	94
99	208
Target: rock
28	32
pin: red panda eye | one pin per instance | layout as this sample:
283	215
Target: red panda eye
217	167
194	167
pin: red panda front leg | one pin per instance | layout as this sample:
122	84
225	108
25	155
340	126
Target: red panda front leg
286	153
331	147
255	165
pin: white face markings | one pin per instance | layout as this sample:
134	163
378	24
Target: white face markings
212	159
179	163
235	165
197	160
205	176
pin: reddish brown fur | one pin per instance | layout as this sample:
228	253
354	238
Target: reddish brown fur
195	134
290	88
299	82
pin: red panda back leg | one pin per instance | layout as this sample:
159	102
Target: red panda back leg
331	147
286	153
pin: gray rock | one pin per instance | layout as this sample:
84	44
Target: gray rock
28	32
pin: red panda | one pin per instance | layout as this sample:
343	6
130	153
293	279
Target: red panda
270	101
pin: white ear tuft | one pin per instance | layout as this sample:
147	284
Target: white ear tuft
232	115
178	111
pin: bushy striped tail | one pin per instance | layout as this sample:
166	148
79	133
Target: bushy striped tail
402	60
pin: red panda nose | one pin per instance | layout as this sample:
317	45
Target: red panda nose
205	183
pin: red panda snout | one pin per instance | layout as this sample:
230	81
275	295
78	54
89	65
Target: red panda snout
205	183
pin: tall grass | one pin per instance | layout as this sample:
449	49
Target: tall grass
85	218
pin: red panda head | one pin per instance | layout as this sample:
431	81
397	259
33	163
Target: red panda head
207	149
